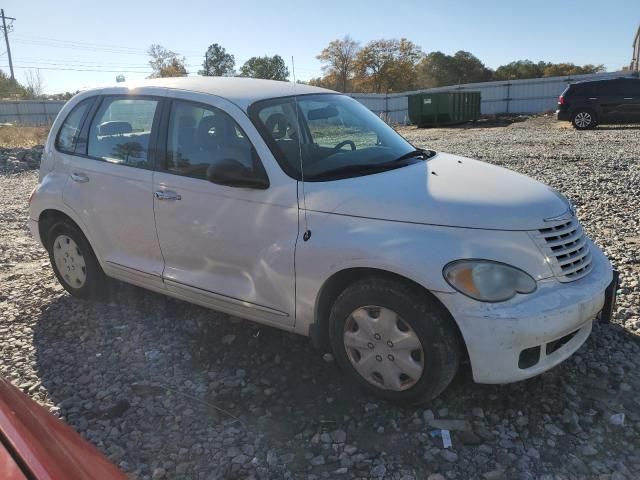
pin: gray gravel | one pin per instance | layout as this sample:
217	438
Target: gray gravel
171	390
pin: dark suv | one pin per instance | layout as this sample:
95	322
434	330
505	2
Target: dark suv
587	104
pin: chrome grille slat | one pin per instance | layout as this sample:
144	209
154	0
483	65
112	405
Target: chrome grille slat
567	249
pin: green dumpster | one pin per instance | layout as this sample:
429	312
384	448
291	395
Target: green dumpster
443	108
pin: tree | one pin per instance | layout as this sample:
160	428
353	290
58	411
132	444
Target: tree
520	69
166	63
439	70
11	88
217	62
565	69
384	65
270	68
34	83
339	59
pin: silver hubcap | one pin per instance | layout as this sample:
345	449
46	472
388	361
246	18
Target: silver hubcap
69	261
383	348
583	119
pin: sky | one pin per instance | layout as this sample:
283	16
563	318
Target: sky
65	39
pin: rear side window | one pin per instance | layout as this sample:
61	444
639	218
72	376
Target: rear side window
121	129
70	130
608	88
199	136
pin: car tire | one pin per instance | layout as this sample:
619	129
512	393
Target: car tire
397	341
584	119
74	263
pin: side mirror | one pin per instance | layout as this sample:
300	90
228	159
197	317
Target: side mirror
232	173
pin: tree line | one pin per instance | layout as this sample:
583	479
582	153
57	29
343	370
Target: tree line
383	65
387	65
217	62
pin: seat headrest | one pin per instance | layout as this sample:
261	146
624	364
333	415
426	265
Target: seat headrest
114	128
186	121
211	131
277	125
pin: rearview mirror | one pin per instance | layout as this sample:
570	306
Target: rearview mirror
232	173
323	113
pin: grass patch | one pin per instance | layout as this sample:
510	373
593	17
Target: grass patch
14	136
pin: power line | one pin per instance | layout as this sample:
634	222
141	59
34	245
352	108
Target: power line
78	69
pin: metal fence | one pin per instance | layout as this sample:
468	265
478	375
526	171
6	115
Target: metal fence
29	112
534	95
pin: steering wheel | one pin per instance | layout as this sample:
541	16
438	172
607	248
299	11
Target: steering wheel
346	142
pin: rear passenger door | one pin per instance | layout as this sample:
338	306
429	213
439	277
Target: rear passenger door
110	186
610	98
630	89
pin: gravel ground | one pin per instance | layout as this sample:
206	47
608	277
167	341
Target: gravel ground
171	390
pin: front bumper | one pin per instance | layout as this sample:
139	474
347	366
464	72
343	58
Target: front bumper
529	334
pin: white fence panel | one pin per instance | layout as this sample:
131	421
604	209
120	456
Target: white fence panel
534	95
29	112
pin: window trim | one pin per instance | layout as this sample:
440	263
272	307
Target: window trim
163	139
153	137
91	102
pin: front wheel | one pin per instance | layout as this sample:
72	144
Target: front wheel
398	343
584	119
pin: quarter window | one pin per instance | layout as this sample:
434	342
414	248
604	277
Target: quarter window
200	136
70	130
121	131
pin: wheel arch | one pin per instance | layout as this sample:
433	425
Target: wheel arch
339	281
49	217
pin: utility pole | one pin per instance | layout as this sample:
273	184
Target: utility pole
6	40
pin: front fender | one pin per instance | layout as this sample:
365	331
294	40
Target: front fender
414	251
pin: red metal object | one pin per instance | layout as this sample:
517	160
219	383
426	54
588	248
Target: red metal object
36	445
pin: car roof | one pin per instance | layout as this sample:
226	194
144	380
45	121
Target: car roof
241	91
600	80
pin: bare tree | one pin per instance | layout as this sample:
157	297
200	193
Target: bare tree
34	83
166	63
339	59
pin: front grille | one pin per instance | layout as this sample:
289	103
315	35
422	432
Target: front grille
567	249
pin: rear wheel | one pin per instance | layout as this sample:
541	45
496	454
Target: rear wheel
584	119
398	343
74	262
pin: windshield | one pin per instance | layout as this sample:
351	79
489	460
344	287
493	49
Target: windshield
339	137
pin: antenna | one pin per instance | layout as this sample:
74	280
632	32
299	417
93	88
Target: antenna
307	233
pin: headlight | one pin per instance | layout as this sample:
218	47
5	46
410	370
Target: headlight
487	281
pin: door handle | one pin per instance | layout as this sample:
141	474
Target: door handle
593	98
79	177
628	98
166	195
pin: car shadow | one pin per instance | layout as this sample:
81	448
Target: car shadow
147	377
618	127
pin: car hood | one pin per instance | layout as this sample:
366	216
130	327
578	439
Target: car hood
444	190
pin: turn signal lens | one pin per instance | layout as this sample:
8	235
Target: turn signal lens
488	281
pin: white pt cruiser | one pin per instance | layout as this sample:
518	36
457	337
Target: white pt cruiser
299	208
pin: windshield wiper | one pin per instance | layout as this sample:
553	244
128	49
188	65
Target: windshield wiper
348	170
418	153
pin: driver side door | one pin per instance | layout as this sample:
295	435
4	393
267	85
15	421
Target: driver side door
225	247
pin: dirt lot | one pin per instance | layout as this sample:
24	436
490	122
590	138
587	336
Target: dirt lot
171	390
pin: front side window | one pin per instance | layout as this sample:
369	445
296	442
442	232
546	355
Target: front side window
328	137
70	130
201	138
121	131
